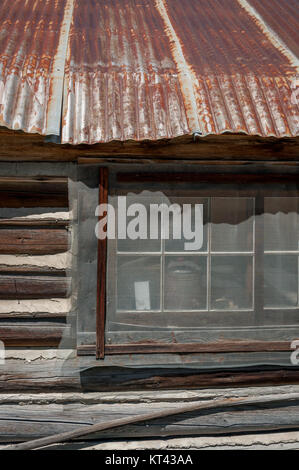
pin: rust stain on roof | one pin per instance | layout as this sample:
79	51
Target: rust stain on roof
149	69
30	32
282	18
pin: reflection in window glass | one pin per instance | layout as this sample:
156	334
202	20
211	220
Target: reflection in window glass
162	276
281	281
173	245
232	224
231	282
281	223
147	244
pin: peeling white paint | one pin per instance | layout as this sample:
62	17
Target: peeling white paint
131	397
58	261
31	354
2	88
57	75
46	215
248	441
35	306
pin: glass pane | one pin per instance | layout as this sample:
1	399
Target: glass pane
281	281
138	283
194	226
281	223
231	282
185	283
139	223
232	224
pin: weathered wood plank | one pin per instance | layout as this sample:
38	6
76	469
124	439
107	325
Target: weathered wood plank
15	335
32	287
21	423
33	241
19	269
31	316
75	374
22	222
101	273
216	347
17	146
205	178
157	378
28	192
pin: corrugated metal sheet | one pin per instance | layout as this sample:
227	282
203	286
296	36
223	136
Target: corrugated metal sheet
33	42
281	17
149	69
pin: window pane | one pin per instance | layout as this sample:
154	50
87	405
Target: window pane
189	226
185	284
281	281
142	225
281	223
232	224
138	283
231	282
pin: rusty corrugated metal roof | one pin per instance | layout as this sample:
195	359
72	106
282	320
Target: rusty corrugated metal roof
149	69
33	43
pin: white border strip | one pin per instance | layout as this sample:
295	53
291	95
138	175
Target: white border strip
57	74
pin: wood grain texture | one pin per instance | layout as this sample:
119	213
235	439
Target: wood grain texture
22	222
34	316
33	287
80	375
17	146
30	192
15	335
218	416
101	273
217	347
33	241
205	178
19	269
258	413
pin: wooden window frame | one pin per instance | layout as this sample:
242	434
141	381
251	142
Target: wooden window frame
156	347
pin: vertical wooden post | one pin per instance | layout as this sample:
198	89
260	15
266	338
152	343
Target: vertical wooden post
259	259
101	281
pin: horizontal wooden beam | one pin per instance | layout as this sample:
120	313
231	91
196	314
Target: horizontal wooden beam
29	287
33	192
21	222
17	335
246	417
18	146
33	241
34	316
52	184
35	377
205	178
31	270
218	347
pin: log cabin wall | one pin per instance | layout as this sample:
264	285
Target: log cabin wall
49	290
41	392
35	257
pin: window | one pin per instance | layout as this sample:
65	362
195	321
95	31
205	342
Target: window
154	282
235	291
